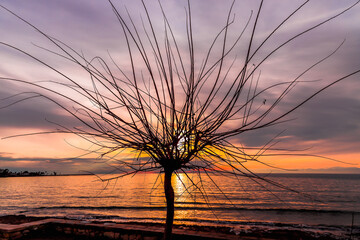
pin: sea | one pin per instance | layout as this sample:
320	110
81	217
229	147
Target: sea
309	202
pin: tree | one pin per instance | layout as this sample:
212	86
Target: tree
4	172
176	113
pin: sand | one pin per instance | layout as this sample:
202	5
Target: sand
275	232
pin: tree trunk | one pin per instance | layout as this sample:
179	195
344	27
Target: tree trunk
169	195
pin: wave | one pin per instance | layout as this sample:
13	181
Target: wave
150	208
214	222
95	197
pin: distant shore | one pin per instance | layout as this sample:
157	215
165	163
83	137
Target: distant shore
5	172
57	175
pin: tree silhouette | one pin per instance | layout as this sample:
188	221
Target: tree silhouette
174	113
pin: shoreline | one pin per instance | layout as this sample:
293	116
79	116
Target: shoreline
245	231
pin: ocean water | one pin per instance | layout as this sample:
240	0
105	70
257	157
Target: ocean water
331	200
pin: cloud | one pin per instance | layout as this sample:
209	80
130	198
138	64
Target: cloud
329	123
31	113
63	165
6	157
332	170
66	165
329	117
90	27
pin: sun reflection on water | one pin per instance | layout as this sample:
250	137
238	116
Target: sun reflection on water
185	196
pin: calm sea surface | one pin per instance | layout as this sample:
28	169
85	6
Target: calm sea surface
324	199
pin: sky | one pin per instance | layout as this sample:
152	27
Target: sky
328	125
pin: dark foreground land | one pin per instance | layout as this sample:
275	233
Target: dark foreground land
35	228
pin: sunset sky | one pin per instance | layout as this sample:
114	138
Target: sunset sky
328	125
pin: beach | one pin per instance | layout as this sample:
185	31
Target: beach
33	228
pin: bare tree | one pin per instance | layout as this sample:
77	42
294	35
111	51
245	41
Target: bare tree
175	113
